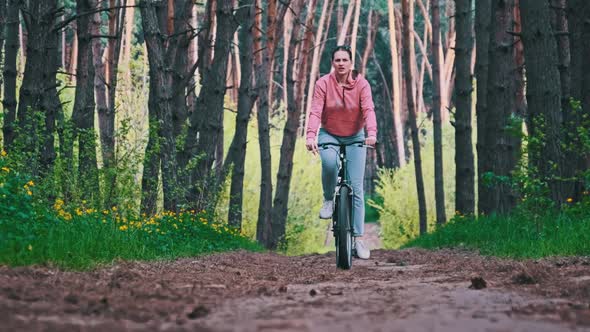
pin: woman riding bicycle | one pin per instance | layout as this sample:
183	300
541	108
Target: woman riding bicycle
342	103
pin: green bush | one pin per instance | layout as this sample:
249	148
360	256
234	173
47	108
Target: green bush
518	235
399	209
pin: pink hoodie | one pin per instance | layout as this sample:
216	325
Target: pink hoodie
342	110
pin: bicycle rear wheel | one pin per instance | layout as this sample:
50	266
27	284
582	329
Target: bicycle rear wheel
343	229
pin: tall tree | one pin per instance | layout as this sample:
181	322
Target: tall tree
439	188
154	23
206	120
246	99
295	87
408	23
543	94
39	82
501	107
396	83
578	17
483	19
84	102
263	71
2	28
464	177
315	62
10	55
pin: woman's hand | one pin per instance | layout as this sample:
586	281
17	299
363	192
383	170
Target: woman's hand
312	146
371	140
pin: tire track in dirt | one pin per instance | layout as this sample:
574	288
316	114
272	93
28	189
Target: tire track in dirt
407	290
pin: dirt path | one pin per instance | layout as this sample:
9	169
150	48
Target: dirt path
409	290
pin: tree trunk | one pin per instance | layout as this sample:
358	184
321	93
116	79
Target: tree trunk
151	162
436	112
387	149
128	25
543	95
202	137
355	28
504	147
263	77
578	16
100	87
372	29
397	95
295	88
346	24
74	56
11	50
2	29
408	23
161	82
37	84
483	19
315	62
246	99
464	185
83	112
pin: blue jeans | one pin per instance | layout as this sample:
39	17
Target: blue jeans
356	157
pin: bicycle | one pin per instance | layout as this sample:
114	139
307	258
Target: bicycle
342	217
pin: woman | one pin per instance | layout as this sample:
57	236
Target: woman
343	105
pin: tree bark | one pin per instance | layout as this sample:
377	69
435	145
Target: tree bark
263	86
346	24
483	19
504	147
2	29
10	70
246	99
35	111
295	88
436	113
397	95
161	83
355	28
315	62
578	16
464	181
408	23
202	136
84	103
543	95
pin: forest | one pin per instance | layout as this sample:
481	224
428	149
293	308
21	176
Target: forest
130	111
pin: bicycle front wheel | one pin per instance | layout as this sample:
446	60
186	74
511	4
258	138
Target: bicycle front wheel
343	229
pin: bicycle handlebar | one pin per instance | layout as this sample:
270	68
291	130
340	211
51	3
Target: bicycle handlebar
359	143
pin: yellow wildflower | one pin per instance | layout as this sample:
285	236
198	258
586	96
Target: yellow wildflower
3	153
30	193
123	228
114	208
6	169
31	183
569	200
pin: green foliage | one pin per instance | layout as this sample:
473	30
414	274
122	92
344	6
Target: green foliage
305	232
81	237
564	233
399	210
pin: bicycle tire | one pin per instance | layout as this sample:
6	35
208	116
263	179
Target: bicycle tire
343	229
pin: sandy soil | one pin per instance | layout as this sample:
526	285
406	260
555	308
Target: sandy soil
409	290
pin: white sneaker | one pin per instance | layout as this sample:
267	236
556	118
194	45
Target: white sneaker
362	251
326	210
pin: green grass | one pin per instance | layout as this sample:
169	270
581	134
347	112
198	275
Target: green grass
96	238
80	237
566	233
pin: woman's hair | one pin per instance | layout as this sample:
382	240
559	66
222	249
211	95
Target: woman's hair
345	48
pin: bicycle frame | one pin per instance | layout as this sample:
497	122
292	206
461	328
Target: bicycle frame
337	221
